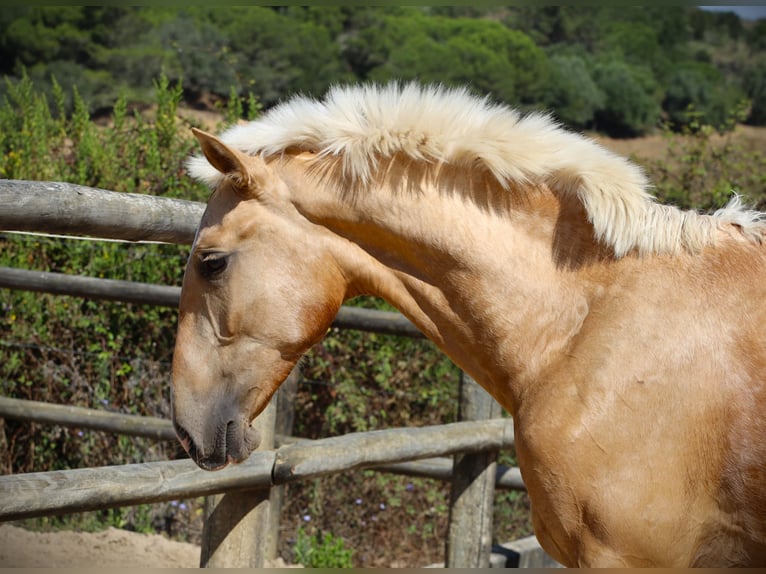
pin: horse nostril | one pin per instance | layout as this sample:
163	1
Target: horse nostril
185	439
229	437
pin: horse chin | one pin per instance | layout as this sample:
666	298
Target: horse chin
252	439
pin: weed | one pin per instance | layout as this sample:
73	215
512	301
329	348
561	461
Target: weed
321	550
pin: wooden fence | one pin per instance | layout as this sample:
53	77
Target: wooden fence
243	500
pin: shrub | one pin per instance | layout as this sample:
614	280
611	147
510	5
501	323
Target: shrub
321	550
703	168
699	86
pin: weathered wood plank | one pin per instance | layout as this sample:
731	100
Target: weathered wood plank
89	287
237	527
60	492
384	322
162	429
66	491
374	448
441	468
283	427
469	535
71	416
69	209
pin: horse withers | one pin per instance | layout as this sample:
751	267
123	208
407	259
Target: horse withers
624	336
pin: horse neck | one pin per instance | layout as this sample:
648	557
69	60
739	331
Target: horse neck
475	272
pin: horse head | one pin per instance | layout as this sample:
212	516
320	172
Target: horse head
259	289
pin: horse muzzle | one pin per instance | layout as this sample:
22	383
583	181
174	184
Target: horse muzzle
231	441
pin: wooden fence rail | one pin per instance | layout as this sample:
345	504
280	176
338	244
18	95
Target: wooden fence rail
162	429
43	493
385	322
65	208
60	208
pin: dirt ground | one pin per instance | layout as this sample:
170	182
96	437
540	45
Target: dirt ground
113	547
20	548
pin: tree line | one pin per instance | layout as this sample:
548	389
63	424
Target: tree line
619	70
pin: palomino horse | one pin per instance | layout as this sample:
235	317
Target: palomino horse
625	337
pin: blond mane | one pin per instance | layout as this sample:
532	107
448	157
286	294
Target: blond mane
360	125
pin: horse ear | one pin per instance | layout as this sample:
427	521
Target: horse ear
232	163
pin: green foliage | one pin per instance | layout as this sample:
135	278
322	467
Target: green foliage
701	86
67	350
133	154
635	43
214	53
755	86
702	169
573	94
371	381
485	54
631	104
322	550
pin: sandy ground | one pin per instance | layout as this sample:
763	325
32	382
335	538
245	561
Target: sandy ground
112	547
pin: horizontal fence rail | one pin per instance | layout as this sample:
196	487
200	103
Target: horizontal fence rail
162	429
62	209
81	417
386	322
65	208
58	492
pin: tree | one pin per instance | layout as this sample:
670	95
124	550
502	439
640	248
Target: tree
636	43
572	94
699	86
481	53
755	84
275	55
631	98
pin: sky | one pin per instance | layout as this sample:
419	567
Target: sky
746	12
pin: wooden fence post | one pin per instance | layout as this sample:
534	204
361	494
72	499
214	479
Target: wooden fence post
285	405
237	524
469	536
5	455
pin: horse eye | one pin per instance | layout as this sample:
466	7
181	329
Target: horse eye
212	264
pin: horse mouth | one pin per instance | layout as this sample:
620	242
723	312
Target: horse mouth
233	442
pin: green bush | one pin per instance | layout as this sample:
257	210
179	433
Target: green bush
321	550
703	169
755	86
73	351
484	54
700	86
